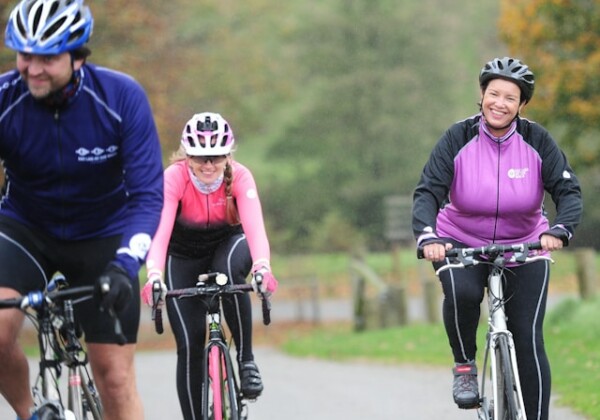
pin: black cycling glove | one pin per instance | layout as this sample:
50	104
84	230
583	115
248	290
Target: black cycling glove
113	289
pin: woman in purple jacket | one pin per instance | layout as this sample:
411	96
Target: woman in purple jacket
484	183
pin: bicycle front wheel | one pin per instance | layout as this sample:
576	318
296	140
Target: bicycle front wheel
506	401
220	395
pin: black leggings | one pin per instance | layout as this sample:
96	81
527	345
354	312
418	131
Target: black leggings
526	288
187	317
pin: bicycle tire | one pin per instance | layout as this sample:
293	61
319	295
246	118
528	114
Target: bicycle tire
215	378
50	411
220	389
232	402
507	403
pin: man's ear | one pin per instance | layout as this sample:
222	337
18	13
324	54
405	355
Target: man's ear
78	63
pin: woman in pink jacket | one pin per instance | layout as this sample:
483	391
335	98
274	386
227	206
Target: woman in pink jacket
211	222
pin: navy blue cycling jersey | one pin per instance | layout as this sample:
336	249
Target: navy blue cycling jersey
90	168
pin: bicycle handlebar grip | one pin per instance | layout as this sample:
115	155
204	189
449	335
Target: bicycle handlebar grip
158	324
121	340
266	310
156	310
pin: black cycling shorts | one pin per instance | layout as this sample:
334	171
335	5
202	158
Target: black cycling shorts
28	259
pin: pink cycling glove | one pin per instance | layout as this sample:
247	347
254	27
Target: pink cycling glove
269	282
146	292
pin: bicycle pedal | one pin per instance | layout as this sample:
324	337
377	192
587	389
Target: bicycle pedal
469	406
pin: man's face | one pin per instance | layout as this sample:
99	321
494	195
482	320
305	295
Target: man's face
45	74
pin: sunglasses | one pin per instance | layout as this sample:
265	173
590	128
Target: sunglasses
205	159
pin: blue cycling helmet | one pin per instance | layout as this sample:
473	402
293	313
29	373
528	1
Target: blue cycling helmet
48	27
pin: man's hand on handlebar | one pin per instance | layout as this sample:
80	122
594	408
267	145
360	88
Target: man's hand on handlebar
113	290
112	293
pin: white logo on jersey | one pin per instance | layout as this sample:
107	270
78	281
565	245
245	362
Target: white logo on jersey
97	154
517	173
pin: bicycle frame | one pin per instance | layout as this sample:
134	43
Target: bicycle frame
497	328
507	398
59	345
222	398
51	312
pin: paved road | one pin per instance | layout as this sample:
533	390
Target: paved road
301	389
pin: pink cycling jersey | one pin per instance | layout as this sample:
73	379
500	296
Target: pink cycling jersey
186	205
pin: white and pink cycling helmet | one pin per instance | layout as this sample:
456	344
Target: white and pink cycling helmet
207	134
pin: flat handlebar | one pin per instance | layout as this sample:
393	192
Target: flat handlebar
488	250
465	257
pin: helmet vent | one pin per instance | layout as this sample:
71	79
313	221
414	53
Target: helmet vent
53	9
36	19
52	29
21	28
76	35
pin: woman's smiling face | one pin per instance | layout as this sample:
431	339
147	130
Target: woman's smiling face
500	104
207	169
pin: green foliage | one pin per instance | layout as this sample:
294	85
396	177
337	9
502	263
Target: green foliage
415	344
380	96
562	40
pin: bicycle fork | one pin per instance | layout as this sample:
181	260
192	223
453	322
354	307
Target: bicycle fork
499	327
50	372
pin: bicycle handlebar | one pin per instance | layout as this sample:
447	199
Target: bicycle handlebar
467	256
489	250
205	289
37	299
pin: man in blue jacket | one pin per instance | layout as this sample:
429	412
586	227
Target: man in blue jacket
82	193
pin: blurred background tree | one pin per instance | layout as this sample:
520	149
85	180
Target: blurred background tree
560	40
337	104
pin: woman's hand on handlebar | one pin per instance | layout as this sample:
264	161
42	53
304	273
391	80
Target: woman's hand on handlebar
435	251
154	289
264	281
551	243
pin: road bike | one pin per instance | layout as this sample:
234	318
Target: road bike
500	362
51	311
221	395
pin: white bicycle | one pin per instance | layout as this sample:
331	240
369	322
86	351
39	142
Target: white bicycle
500	362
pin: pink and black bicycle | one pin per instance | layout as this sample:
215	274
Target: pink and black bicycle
222	398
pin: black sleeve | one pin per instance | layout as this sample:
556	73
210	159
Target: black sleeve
431	193
559	180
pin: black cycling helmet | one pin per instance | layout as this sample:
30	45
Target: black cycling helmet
510	69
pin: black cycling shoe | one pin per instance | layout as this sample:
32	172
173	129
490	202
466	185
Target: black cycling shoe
465	388
251	380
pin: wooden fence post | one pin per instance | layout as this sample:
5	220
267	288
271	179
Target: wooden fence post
585	259
360	316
